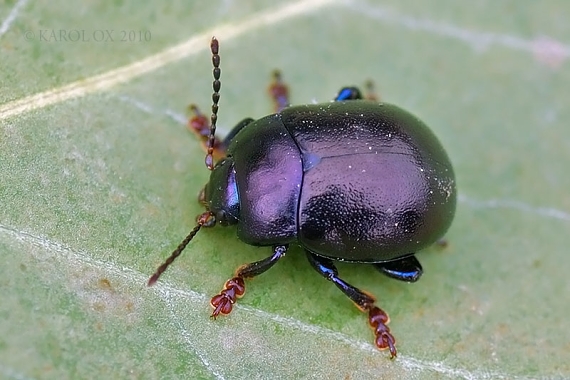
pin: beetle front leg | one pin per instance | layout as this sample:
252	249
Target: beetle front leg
234	288
377	318
199	124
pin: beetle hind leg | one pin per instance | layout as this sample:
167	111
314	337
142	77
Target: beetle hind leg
348	93
377	318
234	288
406	269
353	93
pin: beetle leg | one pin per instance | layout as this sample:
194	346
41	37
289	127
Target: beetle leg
353	93
279	92
377	318
199	124
234	288
348	93
328	270
406	269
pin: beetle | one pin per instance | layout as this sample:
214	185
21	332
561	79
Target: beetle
351	180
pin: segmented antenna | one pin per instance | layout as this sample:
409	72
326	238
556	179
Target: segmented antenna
216	85
202	219
207	218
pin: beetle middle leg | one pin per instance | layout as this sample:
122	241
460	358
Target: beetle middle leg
234	288
279	92
377	318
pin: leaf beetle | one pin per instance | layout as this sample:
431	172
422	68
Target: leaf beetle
351	180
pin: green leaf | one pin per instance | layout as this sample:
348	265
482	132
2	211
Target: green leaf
99	178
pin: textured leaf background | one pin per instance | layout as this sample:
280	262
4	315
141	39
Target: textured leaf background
99	177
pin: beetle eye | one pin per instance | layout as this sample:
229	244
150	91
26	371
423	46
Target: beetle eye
221	217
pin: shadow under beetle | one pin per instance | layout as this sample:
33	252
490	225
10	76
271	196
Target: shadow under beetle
351	180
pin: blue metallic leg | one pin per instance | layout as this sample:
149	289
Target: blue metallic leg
327	269
377	318
406	269
348	93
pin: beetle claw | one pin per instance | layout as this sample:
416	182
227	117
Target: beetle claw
223	302
378	320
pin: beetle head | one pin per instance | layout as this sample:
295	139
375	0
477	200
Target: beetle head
220	194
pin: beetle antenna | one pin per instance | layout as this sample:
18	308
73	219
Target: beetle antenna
216	85
202	219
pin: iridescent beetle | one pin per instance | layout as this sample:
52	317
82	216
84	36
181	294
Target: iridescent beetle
351	180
